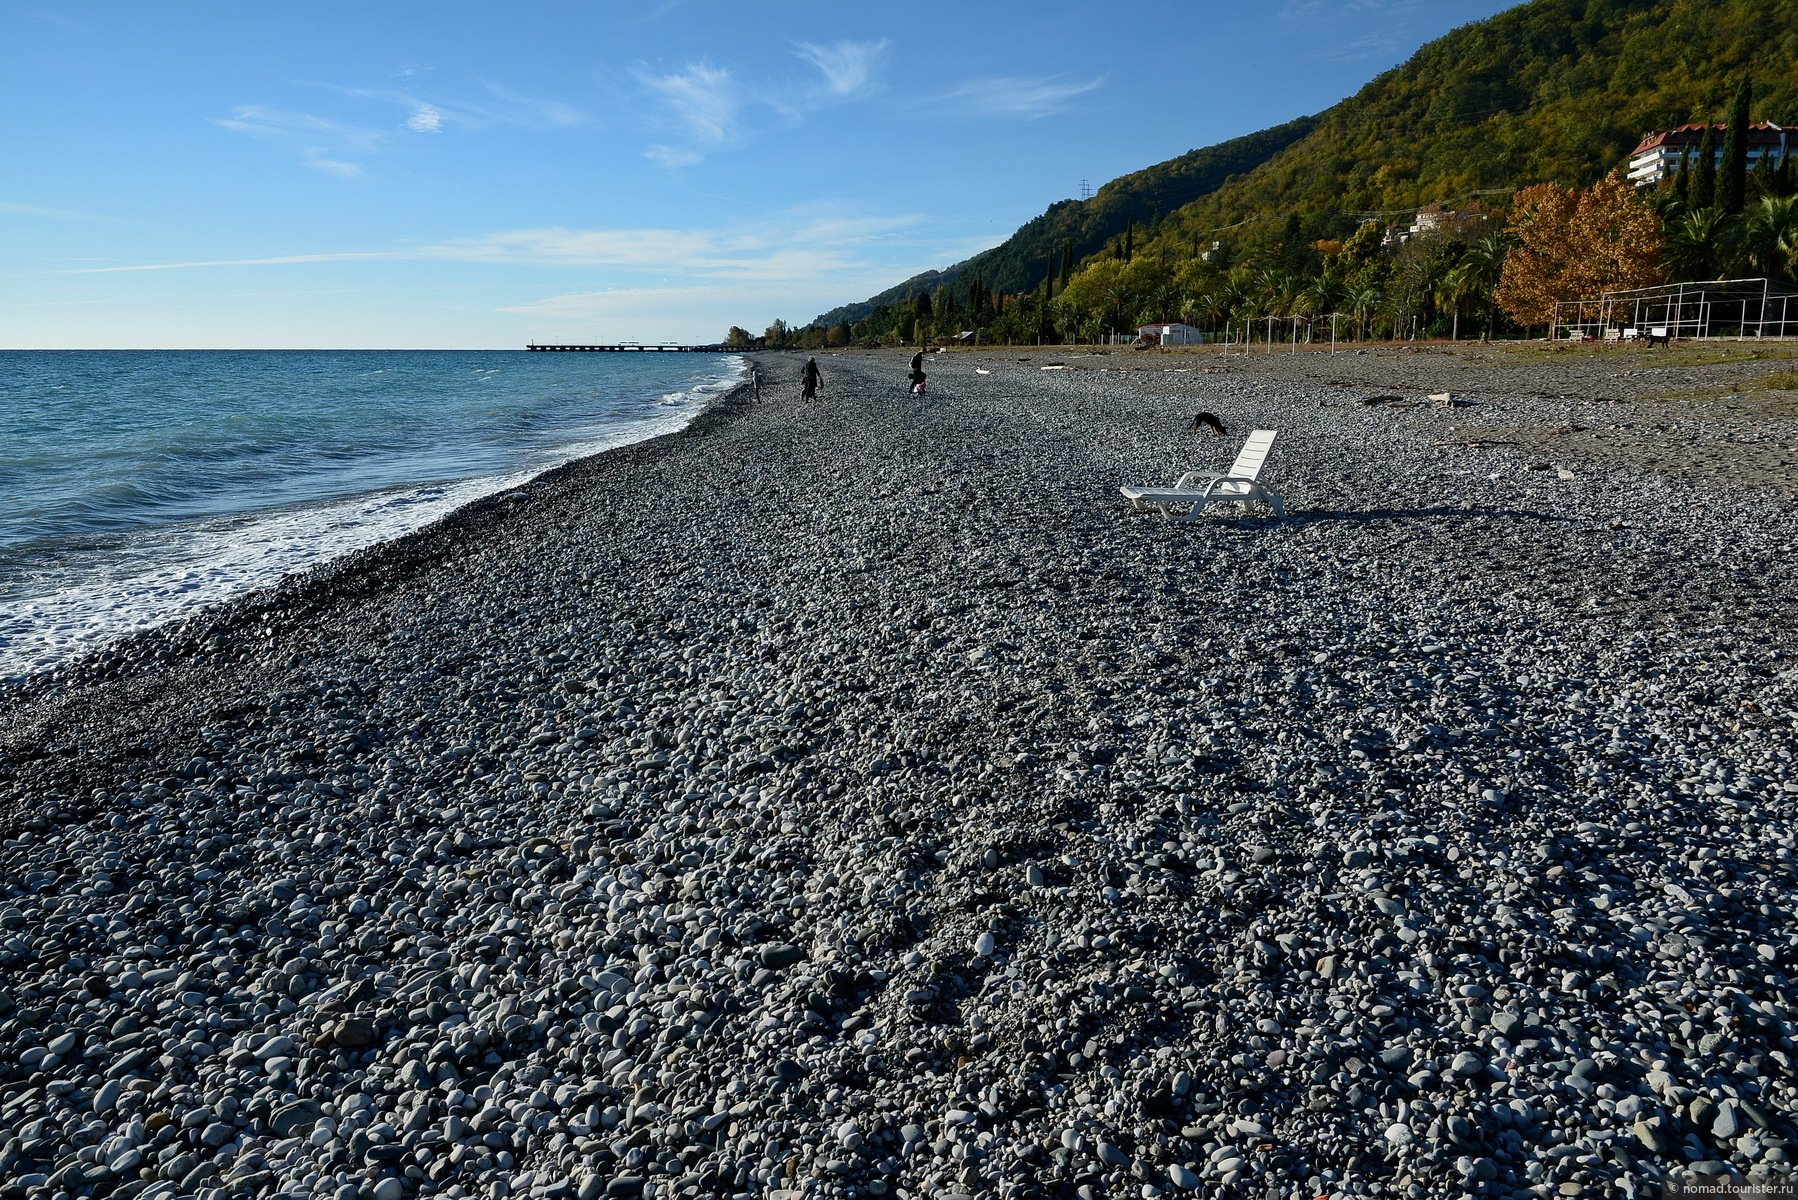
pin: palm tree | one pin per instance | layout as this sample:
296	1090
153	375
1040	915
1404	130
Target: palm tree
1472	278
1363	303
1481	266
1276	293
1161	301
1453	290
1770	237
1208	309
1230	299
1700	244
1323	295
1237	292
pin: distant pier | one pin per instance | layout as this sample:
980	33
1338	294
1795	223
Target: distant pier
628	348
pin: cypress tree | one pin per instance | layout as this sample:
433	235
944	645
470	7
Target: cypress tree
1704	187
1129	241
1732	178
1067	264
1683	186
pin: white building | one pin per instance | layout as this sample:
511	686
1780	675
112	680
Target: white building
1170	333
1661	154
1425	220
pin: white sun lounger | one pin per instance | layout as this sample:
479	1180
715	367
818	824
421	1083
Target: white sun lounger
1196	489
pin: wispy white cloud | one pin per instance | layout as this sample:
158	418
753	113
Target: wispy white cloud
506	107
258	121
1380	30
334	166
706	106
1382	45
850	230
496	106
849	68
673	157
702	98
1011	96
790	248
323	143
794	247
276	260
50	18
1323	10
637	304
14	209
333	146
700	312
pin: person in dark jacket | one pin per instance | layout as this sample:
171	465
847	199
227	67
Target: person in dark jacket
917	374
809	378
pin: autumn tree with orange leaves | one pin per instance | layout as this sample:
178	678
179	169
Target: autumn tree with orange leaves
1575	245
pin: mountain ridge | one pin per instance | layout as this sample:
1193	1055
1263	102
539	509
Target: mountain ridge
1021	261
1547	91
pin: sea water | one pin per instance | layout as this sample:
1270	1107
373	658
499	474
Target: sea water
137	486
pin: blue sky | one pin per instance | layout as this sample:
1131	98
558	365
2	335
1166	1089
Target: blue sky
397	174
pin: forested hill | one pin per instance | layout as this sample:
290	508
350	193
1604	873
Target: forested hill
1549	91
1089	225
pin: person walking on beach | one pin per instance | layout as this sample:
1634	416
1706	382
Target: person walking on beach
917	373
809	380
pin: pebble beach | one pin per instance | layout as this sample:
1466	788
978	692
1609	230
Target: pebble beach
858	798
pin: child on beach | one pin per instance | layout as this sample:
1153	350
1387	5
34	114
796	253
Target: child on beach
917	374
808	380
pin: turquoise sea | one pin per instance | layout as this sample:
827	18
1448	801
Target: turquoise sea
137	486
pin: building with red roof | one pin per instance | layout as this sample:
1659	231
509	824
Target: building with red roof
1663	153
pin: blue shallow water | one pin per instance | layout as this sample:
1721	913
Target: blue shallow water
137	485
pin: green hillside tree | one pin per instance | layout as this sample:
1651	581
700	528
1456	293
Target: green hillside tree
1093	298
1704	183
1732	175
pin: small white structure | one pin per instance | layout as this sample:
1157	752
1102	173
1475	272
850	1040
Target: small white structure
1170	333
1429	219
